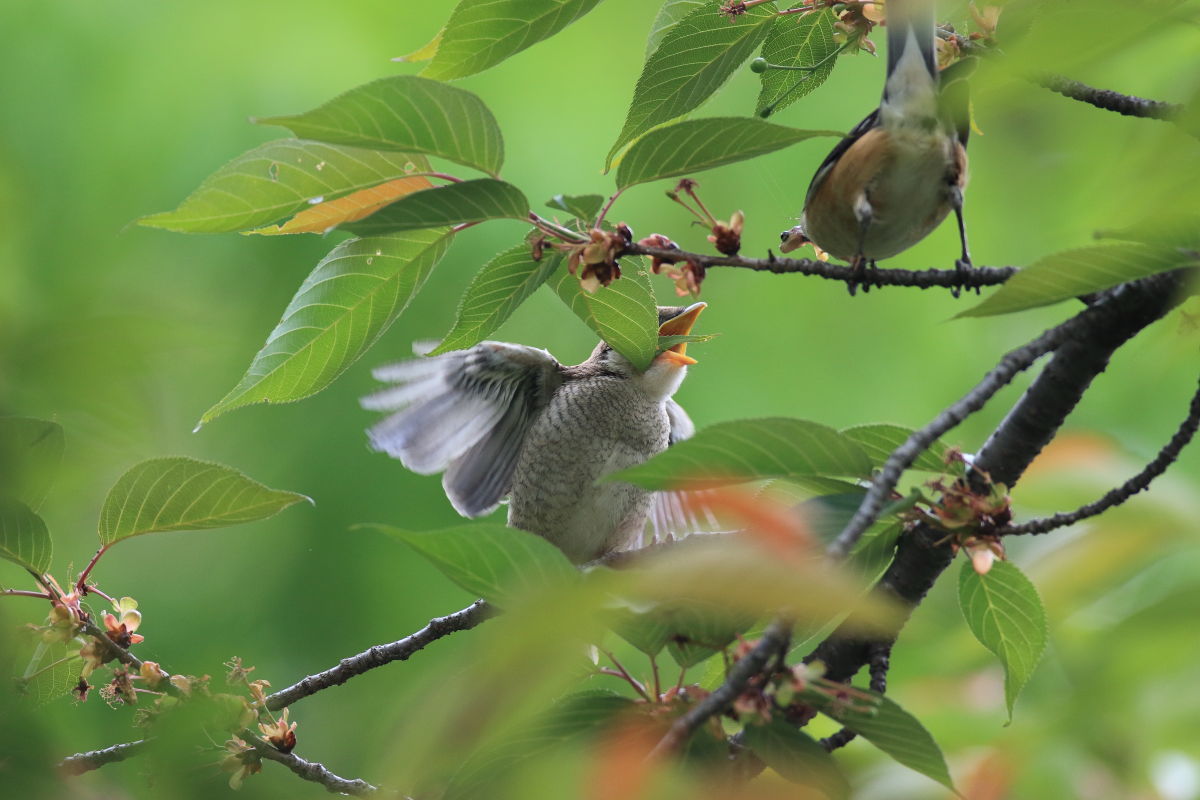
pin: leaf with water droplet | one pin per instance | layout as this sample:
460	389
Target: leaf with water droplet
237	197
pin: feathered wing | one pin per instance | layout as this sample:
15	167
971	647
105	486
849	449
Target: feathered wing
676	514
465	413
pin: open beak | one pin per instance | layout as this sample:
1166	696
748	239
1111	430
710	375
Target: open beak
680	326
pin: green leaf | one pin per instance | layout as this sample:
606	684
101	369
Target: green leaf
409	113
183	494
890	728
1003	610
667	342
51	674
277	179
30	453
699	629
624	313
880	439
24	539
671	13
875	550
804	40
572	716
482	33
340	310
695	57
647	631
751	449
491	561
796	757
699	144
1176	231
583	207
1071	273
495	292
455	203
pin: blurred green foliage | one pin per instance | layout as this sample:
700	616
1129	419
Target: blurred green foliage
125	336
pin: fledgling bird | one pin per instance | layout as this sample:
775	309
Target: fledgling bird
900	171
506	419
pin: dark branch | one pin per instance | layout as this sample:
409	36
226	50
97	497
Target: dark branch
921	279
923	553
379	655
773	642
1166	456
313	771
95	759
1108	100
902	458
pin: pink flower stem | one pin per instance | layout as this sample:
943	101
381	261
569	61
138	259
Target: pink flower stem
80	583
23	593
604	211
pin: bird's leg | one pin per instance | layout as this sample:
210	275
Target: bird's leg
962	265
863	212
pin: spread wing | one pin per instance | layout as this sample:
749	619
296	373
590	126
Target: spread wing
465	412
677	514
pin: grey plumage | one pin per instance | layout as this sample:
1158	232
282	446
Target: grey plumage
503	419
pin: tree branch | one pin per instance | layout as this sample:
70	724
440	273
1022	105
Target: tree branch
1166	456
95	759
312	770
921	279
902	457
774	640
923	553
379	655
1108	100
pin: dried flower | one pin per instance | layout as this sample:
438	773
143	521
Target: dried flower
242	761
279	733
727	236
152	674
598	257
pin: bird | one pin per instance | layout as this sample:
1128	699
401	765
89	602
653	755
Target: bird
893	179
502	419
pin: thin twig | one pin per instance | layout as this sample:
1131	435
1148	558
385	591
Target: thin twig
1013	362
379	655
1108	100
921	279
94	759
1166	456
774	639
312	770
24	593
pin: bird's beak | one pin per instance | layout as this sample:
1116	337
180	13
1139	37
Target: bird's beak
680	326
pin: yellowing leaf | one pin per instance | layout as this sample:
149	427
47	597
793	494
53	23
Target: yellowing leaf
351	208
422	53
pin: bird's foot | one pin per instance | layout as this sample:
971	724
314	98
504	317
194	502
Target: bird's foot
858	271
964	268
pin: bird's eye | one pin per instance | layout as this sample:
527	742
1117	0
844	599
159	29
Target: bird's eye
784	236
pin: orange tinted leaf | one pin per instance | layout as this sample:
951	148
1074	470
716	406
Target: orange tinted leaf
1073	451
622	767
351	208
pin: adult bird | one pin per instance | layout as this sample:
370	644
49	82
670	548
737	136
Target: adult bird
900	171
505	419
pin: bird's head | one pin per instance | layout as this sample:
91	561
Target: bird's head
669	367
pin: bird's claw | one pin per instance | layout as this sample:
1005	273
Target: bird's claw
963	267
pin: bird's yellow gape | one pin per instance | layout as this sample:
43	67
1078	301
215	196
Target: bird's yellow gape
680	326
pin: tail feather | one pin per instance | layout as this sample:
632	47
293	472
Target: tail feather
913	18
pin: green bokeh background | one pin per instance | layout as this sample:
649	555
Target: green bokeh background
126	335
